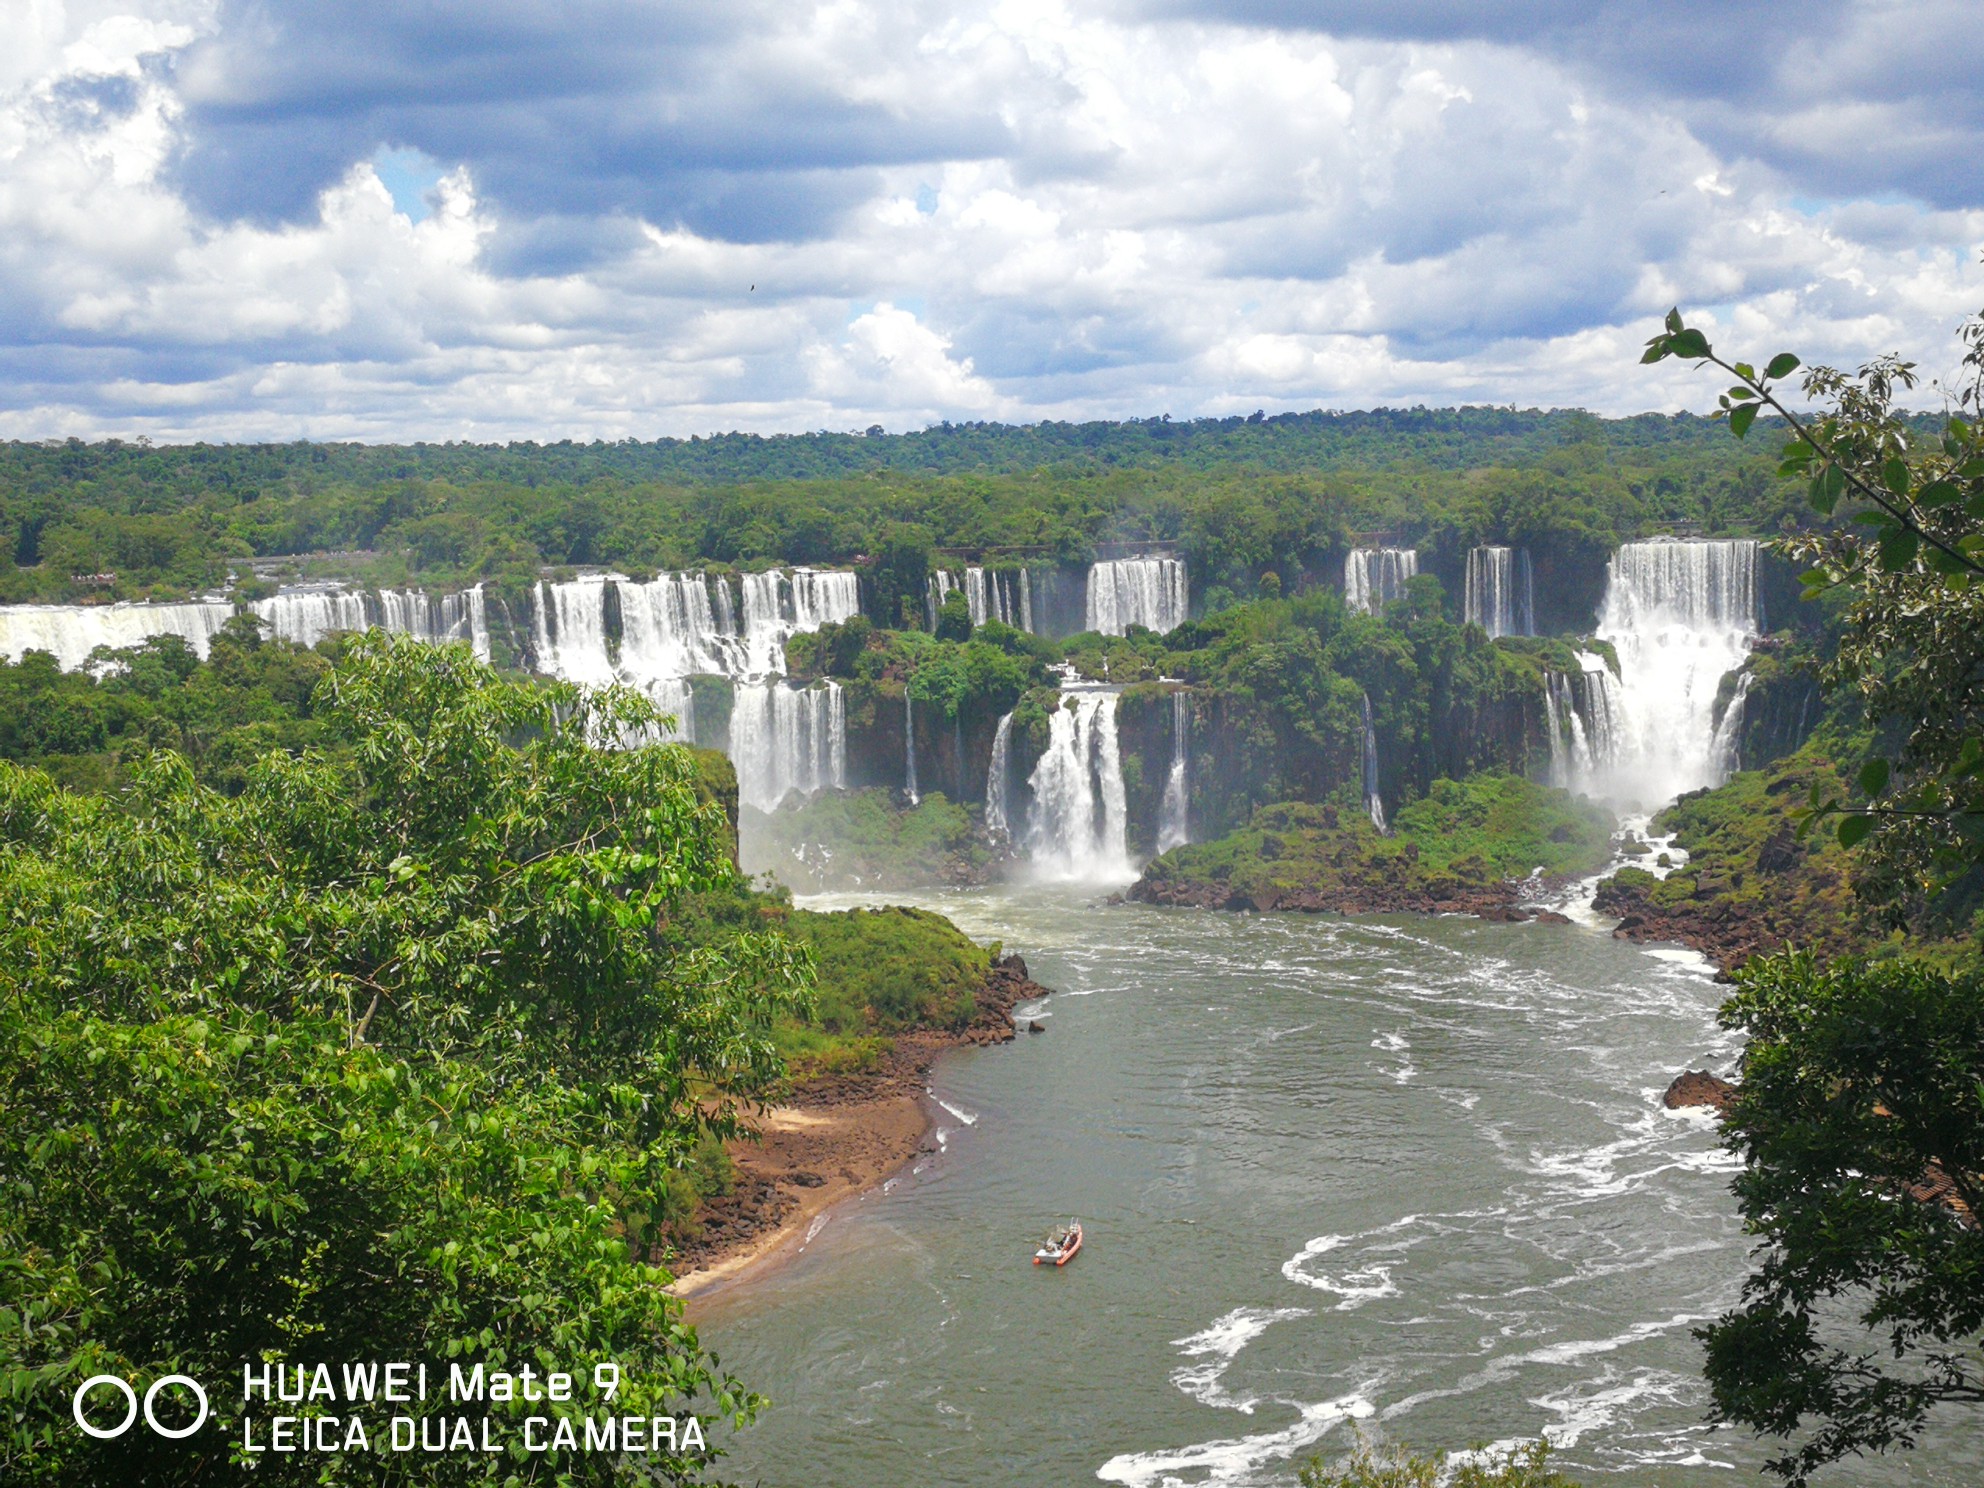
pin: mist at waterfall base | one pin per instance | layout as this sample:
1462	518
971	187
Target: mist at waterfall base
1409	1177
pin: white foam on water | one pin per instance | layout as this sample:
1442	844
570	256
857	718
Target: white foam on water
1232	1460
969	1118
1594	1405
1217	1347
1355	1287
813	1230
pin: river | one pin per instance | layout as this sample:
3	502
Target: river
1404	1176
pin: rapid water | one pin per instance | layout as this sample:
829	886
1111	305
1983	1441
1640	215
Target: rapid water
1404	1176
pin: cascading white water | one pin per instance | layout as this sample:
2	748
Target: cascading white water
909	748
306	615
999	784
994	595
1499	592
70	632
1726	748
1077	828
1584	711
1680	615
669	630
942	582
680	625
1173	824
1151	592
786	739
303	615
1374	577
1374	800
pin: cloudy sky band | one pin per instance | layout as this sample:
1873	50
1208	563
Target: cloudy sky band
622	217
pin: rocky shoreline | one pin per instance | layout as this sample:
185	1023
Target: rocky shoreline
834	1138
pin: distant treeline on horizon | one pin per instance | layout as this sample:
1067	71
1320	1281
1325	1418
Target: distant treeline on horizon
1319	439
1240	498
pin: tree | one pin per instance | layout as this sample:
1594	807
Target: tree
1861	1123
391	1056
954	618
1861	1117
1910	554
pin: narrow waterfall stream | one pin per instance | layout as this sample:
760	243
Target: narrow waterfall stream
1499	591
1173	823
998	783
1374	800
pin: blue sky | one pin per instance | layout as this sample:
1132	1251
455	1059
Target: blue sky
612	218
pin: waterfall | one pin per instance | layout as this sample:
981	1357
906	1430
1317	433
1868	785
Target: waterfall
1680	616
1374	577
1076	829
669	629
680	625
1585	713
1151	592
989	594
786	739
1726	748
1372	797
909	748
942	582
303	615
998	783
995	595
70	632
1499	593
1173	828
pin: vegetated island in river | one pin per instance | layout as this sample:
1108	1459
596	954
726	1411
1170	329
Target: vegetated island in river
1489	845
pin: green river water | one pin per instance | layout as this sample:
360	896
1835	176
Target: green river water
1409	1177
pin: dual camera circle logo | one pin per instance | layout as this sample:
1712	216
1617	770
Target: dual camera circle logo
123	1387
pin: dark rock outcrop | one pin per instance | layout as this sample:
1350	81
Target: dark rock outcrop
1699	1088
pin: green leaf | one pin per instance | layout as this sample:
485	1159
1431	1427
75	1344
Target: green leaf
1781	365
1853	830
1898	548
1748	373
1741	417
1674	319
1938	493
1689	343
1873	777
1894	475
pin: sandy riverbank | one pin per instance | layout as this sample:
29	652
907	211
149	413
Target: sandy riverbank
834	1141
